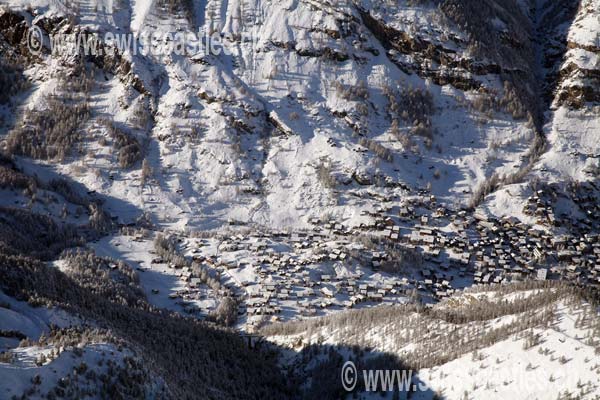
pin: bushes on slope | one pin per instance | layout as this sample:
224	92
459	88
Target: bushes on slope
50	133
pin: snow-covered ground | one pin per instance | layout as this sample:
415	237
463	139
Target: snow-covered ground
33	365
32	322
158	280
216	157
324	114
38	370
563	362
562	358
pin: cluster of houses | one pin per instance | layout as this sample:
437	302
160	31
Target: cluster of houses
323	294
581	198
502	250
282	275
472	246
303	281
540	206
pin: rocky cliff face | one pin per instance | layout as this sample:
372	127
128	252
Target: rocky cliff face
572	53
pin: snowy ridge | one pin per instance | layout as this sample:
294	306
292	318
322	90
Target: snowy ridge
512	355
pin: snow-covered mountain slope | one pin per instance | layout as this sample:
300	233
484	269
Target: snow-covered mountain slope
573	117
306	157
311	104
532	341
28	321
46	352
77	370
88	333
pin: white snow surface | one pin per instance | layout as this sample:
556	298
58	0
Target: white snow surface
215	156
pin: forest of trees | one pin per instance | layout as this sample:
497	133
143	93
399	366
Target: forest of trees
196	359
